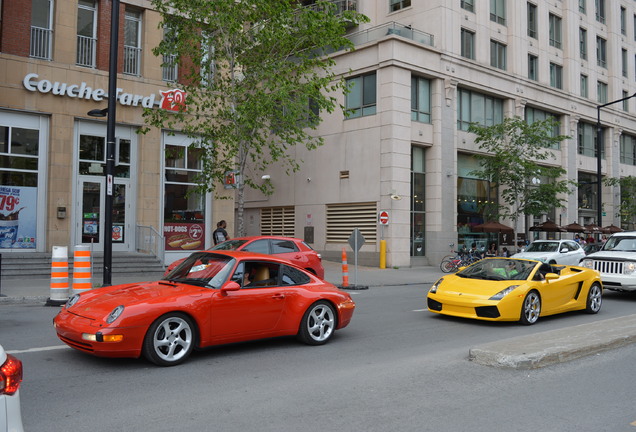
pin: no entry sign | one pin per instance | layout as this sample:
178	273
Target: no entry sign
383	217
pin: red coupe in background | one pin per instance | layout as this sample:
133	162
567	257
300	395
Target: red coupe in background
292	249
211	298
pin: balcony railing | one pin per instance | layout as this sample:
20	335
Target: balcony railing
40	43
391	28
86	51
132	60
342	5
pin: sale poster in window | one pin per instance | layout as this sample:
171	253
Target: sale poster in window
183	236
18	217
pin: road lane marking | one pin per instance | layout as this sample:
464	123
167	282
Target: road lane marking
30	350
420	310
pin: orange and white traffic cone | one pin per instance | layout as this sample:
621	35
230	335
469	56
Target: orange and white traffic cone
59	276
82	277
345	269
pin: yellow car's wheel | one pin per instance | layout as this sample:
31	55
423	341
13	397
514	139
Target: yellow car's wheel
594	299
531	308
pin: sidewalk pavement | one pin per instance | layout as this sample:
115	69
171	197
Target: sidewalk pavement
524	352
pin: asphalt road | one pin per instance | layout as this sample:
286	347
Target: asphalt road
396	367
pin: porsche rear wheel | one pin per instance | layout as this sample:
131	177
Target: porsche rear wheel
531	308
169	340
594	299
318	323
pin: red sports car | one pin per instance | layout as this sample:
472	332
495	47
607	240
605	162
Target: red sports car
289	248
211	298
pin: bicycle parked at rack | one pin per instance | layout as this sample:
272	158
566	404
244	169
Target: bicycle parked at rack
452	263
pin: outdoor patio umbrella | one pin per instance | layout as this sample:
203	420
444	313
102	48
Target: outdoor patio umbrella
492	227
575	228
547	226
592	228
611	229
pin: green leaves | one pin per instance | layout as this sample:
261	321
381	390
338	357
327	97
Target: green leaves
515	152
255	79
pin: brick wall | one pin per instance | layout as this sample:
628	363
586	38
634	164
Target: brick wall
16	27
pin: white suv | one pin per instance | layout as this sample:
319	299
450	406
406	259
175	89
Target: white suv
616	261
10	379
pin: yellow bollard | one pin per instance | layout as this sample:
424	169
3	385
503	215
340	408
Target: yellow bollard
382	254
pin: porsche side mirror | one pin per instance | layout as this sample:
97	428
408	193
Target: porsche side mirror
230	286
551	276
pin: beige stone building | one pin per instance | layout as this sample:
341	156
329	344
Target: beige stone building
421	72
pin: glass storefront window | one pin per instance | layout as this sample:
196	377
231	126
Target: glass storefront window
418	209
19	151
92	155
184	207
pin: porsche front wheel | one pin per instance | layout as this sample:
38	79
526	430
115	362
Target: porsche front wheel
594	299
169	340
531	308
318	324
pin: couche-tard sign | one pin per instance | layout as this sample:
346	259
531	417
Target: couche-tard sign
172	100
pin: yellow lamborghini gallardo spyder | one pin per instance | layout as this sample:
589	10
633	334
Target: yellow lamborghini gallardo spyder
512	289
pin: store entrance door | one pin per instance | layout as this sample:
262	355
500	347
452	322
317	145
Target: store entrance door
91	214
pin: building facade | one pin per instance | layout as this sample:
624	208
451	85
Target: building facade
54	70
420	74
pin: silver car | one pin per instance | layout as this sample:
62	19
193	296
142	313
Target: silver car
566	252
10	379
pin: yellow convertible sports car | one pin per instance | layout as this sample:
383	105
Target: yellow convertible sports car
512	289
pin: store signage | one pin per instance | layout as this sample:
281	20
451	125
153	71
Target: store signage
172	100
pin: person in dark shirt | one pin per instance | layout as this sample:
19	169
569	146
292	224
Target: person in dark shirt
220	235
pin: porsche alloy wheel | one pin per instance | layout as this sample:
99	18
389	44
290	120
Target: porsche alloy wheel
318	324
594	299
531	308
170	340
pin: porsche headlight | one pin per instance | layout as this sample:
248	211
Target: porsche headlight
72	300
433	289
114	314
629	268
501	294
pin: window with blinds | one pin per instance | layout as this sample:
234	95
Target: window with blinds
278	221
343	218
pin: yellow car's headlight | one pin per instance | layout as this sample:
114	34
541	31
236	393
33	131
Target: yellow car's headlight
433	289
504	292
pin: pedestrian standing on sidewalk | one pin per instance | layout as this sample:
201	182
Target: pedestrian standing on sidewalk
220	235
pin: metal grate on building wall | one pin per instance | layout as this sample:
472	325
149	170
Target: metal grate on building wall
343	218
278	221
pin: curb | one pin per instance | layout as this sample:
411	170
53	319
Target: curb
556	346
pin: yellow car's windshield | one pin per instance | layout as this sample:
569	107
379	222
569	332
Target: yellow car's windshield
499	269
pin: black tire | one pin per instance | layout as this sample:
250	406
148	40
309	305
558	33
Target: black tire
318	323
170	339
530	308
594	299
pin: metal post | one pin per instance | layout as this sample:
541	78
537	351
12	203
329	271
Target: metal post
110	143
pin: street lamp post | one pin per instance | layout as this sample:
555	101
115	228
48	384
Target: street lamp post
599	139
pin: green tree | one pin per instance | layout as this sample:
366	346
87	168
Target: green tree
257	75
627	209
514	151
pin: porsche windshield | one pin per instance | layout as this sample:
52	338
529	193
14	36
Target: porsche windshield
202	269
498	269
543	247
